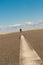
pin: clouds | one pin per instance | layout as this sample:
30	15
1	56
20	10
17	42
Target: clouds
24	26
28	23
18	25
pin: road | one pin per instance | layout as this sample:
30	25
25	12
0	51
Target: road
28	56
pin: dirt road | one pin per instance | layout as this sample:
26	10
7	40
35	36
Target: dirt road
28	55
16	51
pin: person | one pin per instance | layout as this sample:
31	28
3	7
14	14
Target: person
20	30
20	33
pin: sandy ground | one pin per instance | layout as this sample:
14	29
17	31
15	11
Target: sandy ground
10	46
28	56
9	49
35	37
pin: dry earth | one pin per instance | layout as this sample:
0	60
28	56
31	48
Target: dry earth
10	46
35	38
9	49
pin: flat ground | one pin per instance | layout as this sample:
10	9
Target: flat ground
10	46
9	49
35	38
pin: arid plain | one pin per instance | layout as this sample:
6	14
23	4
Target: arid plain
10	45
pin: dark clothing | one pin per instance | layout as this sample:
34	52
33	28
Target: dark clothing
20	30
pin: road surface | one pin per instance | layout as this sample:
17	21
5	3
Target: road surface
28	55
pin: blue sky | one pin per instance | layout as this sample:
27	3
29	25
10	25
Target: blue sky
20	11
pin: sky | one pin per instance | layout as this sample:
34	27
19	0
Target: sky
20	11
16	14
